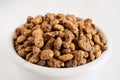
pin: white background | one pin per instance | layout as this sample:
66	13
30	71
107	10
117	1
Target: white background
105	13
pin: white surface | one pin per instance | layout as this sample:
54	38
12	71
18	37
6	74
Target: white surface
104	13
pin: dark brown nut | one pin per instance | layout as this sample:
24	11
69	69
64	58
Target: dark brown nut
46	54
66	57
65	51
55	63
28	56
58	43
29	18
41	63
21	39
104	47
71	26
28	49
37	20
49	44
71	63
46	27
84	45
54	22
59	27
16	34
78	55
34	58
56	53
72	46
35	50
21	52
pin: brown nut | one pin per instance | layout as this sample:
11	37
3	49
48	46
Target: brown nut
46	54
58	43
84	45
35	50
56	53
21	39
71	63
66	57
59	27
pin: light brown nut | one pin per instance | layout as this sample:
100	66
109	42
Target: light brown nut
28	49
38	31
21	39
35	50
71	18
46	27
89	36
51	34
27	33
98	54
28	56
41	62
54	22
66	45
69	36
71	63
61	34
19	47
58	43
65	51
92	56
78	55
72	46
88	22
84	45
58	27
60	16
49	44
46	54
56	53
55	63
86	55
66	57
39	42
29	26
34	58
50	16
102	38
71	26
21	52
82	61
37	20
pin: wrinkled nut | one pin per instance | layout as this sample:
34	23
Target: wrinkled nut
71	63
66	57
36	50
59	41
84	45
55	63
46	54
21	39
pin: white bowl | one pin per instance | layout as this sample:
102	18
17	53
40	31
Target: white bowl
89	71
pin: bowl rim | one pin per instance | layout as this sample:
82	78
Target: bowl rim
58	71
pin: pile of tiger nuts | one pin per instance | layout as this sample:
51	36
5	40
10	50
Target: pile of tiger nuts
59	41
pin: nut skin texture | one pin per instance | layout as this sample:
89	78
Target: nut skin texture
46	54
66	57
59	40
